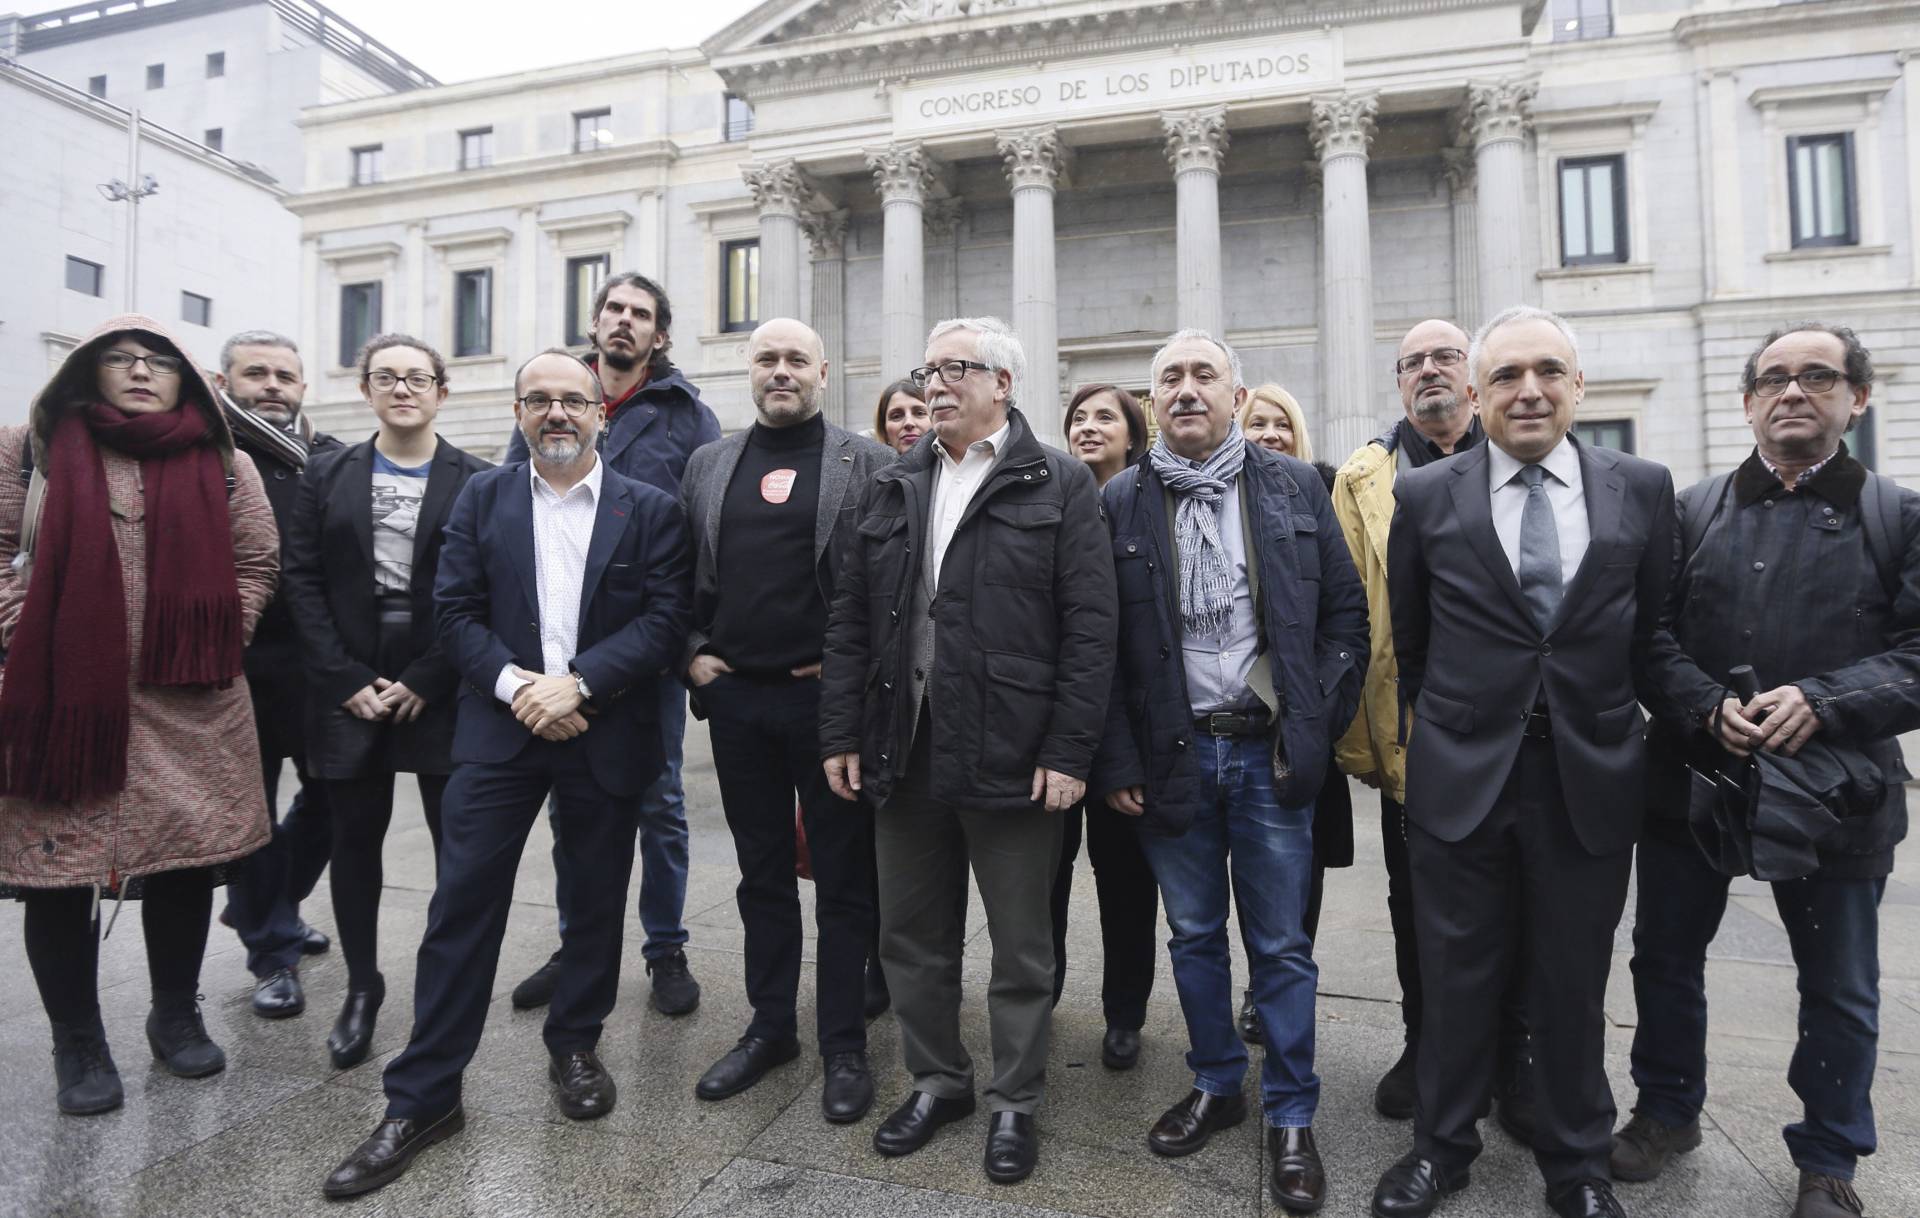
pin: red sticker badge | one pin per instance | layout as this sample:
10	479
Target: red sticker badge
778	485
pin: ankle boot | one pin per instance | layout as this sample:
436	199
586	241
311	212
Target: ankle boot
178	1036
83	1070
352	1034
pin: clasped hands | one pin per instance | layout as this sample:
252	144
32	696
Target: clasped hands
549	707
1780	720
383	698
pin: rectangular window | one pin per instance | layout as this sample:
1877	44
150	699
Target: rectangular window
216	139
196	310
592	129
476	148
1616	434
584	277
1593	210
1820	190
739	285
97	85
156	76
739	120
366	165
87	278
1574	20
359	319
472	312
216	64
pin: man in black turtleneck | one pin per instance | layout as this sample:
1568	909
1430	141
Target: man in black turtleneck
769	508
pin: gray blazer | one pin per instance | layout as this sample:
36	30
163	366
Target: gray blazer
847	463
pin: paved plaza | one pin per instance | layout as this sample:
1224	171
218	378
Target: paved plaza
258	1139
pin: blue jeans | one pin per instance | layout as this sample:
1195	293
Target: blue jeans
663	839
1270	851
1834	928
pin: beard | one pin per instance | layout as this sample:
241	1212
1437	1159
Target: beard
278	412
784	412
559	447
1434	410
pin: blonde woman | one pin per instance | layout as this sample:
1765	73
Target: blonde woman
1272	418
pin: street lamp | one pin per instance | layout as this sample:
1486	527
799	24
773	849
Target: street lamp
117	191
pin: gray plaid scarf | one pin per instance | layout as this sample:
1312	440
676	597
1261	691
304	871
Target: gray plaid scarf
1206	577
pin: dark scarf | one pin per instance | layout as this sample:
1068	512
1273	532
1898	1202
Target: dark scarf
64	709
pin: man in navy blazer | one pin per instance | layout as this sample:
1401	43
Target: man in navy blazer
562	599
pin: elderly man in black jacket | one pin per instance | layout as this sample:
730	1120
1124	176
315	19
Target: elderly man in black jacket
965	680
1243	642
1805	565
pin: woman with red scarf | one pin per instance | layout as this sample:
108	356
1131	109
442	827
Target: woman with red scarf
134	563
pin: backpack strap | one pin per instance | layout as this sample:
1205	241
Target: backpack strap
1702	512
1880	521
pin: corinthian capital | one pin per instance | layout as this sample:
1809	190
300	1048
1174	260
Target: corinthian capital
1035	157
1196	139
1497	110
901	172
943	218
826	232
1341	124
780	188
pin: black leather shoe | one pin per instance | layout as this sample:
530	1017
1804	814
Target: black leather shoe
85	1078
916	1120
537	989
1412	1187
312	942
1250	1020
1185	1127
178	1036
879	997
1297	1179
385	1155
1643	1147
847	1092
352	1034
1587	1199
743	1065
1394	1097
1120	1048
1012	1147
581	1084
278	995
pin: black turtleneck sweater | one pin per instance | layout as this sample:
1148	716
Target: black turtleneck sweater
771	616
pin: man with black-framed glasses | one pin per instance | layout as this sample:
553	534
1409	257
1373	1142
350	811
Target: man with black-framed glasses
1805	565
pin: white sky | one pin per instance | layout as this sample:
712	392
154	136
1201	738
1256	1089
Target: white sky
462	39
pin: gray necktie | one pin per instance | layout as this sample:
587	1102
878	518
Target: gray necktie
1539	549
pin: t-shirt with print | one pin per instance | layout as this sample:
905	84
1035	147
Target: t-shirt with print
397	493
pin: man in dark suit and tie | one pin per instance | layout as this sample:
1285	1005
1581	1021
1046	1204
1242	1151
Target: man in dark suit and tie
1526	578
562	599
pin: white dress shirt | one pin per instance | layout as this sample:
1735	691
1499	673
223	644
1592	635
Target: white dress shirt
562	531
1566	493
955	484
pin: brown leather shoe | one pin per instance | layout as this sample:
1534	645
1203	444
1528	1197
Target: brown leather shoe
1298	1181
1826	1197
1185	1127
1643	1147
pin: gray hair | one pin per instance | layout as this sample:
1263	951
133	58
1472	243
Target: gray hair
1180	336
256	338
996	346
1508	317
599	390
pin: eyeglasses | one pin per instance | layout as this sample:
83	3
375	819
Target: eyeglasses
157	365
952	372
419	382
1442	357
574	404
1812	380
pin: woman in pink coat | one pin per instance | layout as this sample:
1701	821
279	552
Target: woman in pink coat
127	747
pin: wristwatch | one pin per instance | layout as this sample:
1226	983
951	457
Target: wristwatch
580	683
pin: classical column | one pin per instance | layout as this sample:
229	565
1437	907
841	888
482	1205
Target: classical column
902	174
943	257
1341	126
1495	119
1196	143
780	190
1036	166
1456	166
827	234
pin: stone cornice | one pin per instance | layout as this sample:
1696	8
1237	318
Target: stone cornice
1035	157
1865	90
1341	124
1196	139
1635	112
627	160
1792	19
494	235
1496	110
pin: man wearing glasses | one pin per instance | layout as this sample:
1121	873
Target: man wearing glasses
562	596
1431	371
1803	564
968	661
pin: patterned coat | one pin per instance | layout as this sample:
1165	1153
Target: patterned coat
193	795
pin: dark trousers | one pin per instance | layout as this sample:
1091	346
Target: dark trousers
1834	928
489	811
1523	854
362	808
766	752
1129	911
265	891
63	944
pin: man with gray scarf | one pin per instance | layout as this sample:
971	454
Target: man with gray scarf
1242	647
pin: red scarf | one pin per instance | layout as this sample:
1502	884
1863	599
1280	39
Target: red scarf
63	705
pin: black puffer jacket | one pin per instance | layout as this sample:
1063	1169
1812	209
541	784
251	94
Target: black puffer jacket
1024	629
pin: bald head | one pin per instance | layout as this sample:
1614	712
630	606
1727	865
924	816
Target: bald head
1433	391
787	372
